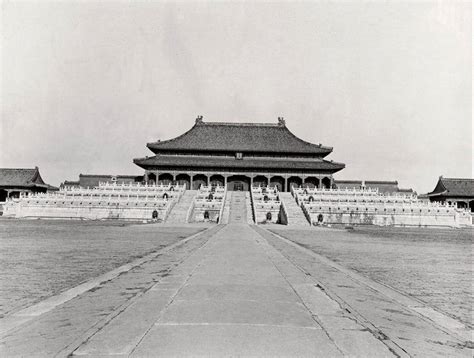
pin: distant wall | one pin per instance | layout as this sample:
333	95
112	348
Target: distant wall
91	181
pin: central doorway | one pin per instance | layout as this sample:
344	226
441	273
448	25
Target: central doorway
238	187
238	183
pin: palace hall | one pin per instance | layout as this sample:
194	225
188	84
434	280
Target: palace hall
238	156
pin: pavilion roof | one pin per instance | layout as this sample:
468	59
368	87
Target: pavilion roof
240	137
216	162
20	177
454	187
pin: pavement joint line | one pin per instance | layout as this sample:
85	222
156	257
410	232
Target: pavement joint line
48	304
270	256
179	289
233	300
314	328
463	334
92	331
393	347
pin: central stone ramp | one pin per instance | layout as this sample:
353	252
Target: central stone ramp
238	208
295	213
179	212
235	303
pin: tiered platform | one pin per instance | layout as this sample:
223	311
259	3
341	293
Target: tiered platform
267	206
107	201
368	206
208	204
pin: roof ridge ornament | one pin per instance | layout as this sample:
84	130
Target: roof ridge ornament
199	120
281	121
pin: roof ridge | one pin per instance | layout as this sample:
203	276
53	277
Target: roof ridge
240	124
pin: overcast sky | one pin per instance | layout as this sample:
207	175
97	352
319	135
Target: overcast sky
387	84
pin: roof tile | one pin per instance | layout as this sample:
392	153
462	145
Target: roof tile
240	137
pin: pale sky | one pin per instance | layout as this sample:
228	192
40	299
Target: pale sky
388	84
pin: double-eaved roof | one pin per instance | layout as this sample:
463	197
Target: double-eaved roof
453	187
239	147
239	137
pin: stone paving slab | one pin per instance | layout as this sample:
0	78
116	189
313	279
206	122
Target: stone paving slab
239	312
262	293
121	337
235	340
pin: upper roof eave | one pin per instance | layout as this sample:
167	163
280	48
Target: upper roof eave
247	137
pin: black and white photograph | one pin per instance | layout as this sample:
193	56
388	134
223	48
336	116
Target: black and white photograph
236	178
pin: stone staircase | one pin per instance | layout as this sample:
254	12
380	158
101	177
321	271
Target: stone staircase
226	209
179	212
295	213
238	210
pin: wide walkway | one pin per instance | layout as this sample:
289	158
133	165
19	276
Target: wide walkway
233	302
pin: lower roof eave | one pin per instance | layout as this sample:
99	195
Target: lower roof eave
240	170
178	163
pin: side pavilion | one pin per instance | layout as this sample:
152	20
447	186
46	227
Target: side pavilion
14	181
454	190
239	155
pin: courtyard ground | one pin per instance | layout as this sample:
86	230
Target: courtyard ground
242	290
41	258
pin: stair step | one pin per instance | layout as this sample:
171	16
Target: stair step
179	212
295	213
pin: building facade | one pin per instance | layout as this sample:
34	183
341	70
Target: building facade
239	155
459	191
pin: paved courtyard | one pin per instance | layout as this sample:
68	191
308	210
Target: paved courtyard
233	290
433	265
